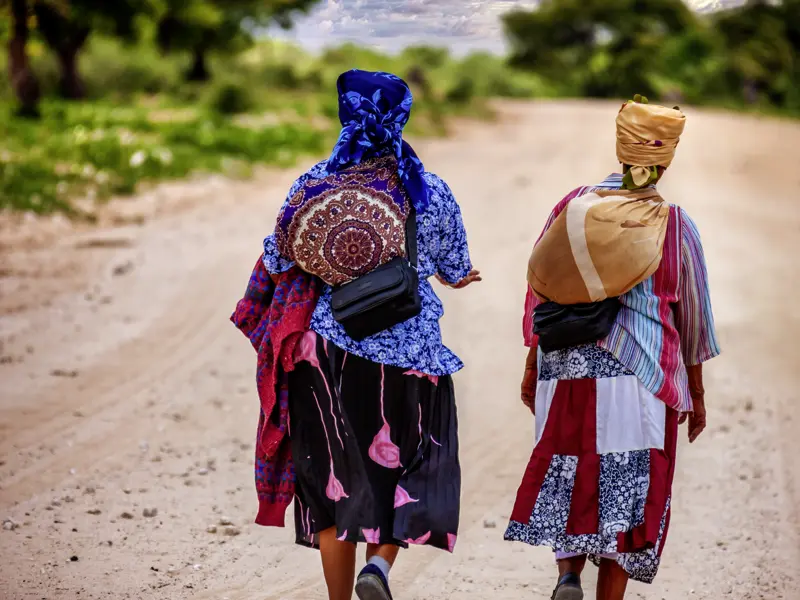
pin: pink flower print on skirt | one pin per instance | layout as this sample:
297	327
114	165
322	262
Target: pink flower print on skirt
334	489
306	349
372	536
401	497
379	429
423	539
383	450
433	378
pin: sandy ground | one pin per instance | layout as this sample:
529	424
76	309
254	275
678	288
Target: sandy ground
124	388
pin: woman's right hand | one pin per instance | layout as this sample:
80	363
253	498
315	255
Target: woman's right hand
472	276
530	380
529	389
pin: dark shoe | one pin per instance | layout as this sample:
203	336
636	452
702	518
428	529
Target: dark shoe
372	585
568	588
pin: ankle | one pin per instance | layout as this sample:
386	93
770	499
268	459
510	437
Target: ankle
569	578
382	564
572	564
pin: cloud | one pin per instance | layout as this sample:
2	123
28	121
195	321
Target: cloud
393	24
711	5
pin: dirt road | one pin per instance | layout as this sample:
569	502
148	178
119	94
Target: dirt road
124	389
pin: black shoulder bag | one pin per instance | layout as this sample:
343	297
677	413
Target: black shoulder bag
562	326
383	297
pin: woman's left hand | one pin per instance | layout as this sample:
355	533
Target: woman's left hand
472	276
697	420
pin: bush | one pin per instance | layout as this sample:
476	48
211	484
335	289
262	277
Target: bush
463	91
426	57
281	77
112	68
98	150
231	98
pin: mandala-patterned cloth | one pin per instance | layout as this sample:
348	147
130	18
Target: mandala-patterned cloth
346	224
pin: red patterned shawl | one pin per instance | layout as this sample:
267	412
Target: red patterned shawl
274	314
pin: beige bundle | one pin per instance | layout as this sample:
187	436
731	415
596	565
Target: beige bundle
606	242
600	246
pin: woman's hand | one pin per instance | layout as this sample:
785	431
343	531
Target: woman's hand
529	389
530	379
697	419
471	277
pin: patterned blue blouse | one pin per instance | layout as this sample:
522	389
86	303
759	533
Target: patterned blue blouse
415	344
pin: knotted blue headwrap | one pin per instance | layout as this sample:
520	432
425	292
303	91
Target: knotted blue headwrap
373	109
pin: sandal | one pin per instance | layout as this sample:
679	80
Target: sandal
372	585
568	588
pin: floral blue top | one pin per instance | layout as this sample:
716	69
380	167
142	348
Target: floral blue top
415	344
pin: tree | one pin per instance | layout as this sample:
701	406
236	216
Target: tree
762	42
66	25
201	26
597	47
23	80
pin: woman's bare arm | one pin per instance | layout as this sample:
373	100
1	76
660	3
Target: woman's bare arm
529	380
697	418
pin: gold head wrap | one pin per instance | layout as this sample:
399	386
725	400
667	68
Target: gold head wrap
647	136
606	242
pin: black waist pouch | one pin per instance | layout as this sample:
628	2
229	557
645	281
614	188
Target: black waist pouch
562	326
383	297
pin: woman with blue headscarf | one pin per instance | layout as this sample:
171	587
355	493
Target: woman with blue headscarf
372	422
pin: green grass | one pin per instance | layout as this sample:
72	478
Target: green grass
99	150
268	105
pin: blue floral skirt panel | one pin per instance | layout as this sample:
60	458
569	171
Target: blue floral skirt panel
600	477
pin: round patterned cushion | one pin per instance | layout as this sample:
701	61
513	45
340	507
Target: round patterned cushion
346	233
344	229
346	224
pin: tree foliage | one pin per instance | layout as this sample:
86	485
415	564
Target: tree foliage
66	25
197	26
613	48
200	26
761	41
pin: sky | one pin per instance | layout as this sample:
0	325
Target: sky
390	25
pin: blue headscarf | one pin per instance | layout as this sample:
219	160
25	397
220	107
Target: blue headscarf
373	109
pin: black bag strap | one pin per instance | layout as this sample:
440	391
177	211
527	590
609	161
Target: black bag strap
411	235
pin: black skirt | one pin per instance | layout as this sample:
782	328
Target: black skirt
375	449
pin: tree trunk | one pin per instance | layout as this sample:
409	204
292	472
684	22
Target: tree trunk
66	38
750	91
26	86
71	84
199	70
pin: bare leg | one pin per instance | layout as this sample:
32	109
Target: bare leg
611	581
338	565
387	552
602	580
574	565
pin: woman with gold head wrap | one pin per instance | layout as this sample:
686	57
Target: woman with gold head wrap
618	321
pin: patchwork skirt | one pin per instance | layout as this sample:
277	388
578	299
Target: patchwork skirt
375	450
600	478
